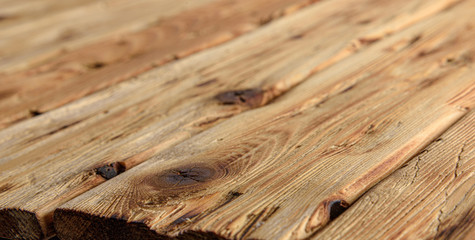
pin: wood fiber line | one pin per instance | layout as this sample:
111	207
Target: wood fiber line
95	66
100	136
284	170
431	197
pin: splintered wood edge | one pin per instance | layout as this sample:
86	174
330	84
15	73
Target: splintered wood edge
80	227
19	224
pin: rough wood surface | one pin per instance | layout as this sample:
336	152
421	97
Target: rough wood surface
286	169
137	119
180	32
432	197
272	135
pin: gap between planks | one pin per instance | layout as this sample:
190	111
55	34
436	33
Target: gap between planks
430	197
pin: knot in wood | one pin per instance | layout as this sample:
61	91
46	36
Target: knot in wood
111	170
336	208
188	176
250	97
182	177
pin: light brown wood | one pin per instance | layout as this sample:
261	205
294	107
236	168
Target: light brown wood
431	197
52	158
30	42
13	12
178	33
285	169
228	67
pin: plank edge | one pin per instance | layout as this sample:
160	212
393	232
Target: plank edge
19	224
97	227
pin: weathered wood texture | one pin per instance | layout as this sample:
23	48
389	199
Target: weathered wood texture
286	169
137	119
244	64
185	28
432	197
267	159
14	12
25	43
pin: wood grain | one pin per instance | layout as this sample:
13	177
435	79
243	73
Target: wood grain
183	29
56	156
226	68
15	12
30	42
285	169
431	197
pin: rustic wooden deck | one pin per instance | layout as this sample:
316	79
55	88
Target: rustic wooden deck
237	119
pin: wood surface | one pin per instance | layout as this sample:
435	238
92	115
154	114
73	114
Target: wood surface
29	42
262	119
137	119
431	197
22	136
181	30
14	12
286	169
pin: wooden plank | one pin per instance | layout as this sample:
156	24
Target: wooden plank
431	197
137	119
31	42
95	66
232	64
283	170
17	12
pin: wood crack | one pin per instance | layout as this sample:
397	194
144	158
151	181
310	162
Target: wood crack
457	164
446	194
417	170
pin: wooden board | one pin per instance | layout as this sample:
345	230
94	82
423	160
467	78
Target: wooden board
138	119
286	169
30	42
226	68
183	29
14	12
431	197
